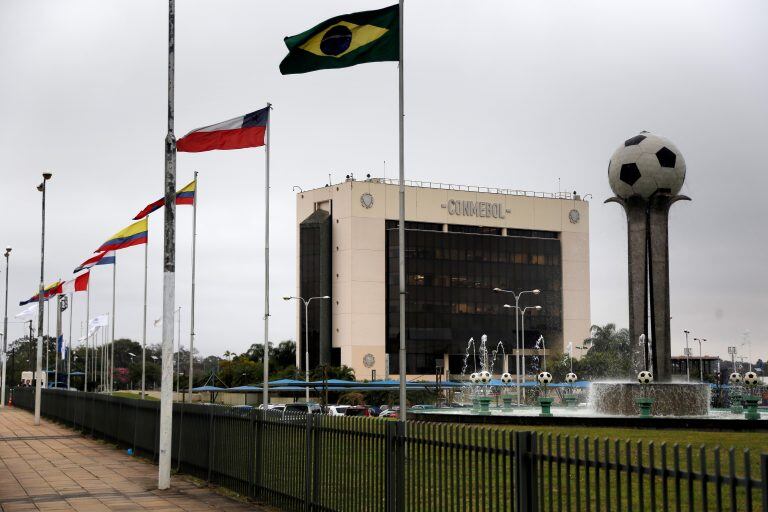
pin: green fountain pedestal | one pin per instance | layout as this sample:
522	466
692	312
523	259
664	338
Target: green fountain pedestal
570	400
507	402
751	412
644	404
546	405
483	405
736	407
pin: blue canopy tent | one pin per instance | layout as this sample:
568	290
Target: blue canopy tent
245	390
210	389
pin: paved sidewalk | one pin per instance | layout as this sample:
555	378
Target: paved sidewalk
51	467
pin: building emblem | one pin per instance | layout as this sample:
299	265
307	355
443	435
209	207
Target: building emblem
366	200
574	216
369	360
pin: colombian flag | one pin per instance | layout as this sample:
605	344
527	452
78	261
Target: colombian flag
346	40
184	196
48	292
135	234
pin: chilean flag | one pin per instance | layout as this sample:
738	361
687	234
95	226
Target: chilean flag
246	131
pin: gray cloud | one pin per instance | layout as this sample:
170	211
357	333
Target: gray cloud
512	94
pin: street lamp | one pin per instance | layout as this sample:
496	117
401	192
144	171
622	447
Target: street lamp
687	355
522	330
517	296
41	291
306	336
4	353
701	359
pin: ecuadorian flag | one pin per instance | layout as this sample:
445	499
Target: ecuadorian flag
184	196
135	234
346	40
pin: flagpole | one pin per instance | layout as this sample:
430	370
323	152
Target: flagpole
69	346
58	337
111	356
266	259
87	333
401	226
192	312
169	272
144	324
48	340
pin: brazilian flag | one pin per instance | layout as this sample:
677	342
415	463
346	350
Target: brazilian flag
343	41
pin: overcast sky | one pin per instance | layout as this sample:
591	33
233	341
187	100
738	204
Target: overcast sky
513	94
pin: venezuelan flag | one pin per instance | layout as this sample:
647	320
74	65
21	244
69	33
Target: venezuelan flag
184	196
48	292
135	234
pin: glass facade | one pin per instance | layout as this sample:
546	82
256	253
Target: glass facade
315	281
449	283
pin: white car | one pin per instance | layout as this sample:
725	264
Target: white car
337	410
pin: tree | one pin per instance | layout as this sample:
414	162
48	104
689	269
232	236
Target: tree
609	356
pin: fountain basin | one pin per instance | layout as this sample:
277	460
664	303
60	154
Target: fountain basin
669	398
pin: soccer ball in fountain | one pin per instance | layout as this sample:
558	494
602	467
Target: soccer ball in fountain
750	378
571	378
544	378
645	377
506	378
645	164
484	377
735	378
473	378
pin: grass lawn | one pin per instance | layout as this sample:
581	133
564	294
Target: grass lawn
133	394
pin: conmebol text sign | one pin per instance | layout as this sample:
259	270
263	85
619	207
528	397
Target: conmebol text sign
475	209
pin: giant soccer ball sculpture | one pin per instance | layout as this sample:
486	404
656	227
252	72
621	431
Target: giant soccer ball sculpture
571	378
544	378
645	377
484	377
646	173
473	378
735	378
751	379
506	378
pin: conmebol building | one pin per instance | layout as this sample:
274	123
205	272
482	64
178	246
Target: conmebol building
461	242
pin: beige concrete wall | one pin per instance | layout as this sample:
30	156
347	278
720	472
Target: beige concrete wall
359	259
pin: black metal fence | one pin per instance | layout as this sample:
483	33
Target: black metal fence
360	464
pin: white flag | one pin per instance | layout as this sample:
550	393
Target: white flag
28	312
91	332
99	321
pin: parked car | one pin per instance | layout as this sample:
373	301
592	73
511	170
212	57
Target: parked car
336	410
357	410
389	413
298	411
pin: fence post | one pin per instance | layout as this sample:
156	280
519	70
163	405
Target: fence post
211	438
525	467
390	432
317	460
251	453
764	479
308	463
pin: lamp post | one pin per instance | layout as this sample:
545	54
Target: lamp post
517	296
748	343
522	332
701	360
4	354
41	292
306	337
687	355
732	353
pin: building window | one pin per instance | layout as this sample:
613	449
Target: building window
449	282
